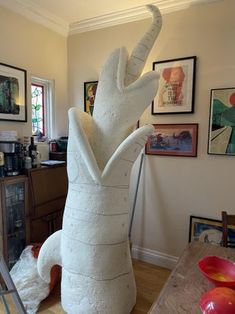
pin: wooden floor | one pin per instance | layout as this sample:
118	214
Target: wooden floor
149	280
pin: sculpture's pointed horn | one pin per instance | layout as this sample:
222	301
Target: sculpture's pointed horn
140	53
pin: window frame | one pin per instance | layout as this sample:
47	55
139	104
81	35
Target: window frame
48	104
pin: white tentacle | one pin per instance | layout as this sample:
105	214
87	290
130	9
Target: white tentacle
140	53
49	255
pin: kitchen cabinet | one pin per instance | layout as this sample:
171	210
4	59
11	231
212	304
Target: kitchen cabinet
48	188
31	208
14	217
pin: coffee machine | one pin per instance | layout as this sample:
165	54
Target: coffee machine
13	160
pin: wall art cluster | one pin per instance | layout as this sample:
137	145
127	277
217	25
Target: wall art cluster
175	96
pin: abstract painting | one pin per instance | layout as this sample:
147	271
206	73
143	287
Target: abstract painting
12	93
221	140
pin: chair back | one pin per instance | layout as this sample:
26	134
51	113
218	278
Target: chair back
226	221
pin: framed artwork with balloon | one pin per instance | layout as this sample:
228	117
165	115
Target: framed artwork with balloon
221	139
176	86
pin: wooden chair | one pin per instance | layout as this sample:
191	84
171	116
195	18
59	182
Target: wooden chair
227	220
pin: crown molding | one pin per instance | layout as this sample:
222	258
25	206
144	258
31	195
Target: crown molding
34	12
37	14
131	15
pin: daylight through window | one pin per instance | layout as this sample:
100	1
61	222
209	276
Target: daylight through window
37	109
42	107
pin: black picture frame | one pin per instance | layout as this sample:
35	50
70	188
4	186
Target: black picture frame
221	140
176	89
13	93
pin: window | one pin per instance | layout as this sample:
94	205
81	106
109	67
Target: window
38	117
42	107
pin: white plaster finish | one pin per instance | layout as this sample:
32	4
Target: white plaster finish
140	53
117	203
122	95
80	302
98	261
97	275
50	255
112	92
103	234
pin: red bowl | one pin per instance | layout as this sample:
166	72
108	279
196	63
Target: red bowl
218	300
219	271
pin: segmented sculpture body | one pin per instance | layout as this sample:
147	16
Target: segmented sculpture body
95	235
93	246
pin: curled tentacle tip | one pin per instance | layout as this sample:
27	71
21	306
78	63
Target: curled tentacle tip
157	17
154	9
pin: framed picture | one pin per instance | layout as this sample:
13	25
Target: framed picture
176	86
221	139
173	140
13	104
89	96
208	230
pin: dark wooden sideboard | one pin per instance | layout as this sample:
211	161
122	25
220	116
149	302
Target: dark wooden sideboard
47	195
31	208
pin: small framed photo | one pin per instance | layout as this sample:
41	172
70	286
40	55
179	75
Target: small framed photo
205	230
89	96
221	138
13	92
208	230
176	86
173	140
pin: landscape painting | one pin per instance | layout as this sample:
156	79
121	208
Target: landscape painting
221	139
173	140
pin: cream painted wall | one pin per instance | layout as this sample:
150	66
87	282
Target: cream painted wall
172	188
42	53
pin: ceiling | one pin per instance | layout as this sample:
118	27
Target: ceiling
73	16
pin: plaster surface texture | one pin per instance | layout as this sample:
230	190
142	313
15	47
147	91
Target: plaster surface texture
93	246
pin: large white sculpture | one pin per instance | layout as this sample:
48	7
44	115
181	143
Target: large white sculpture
92	247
